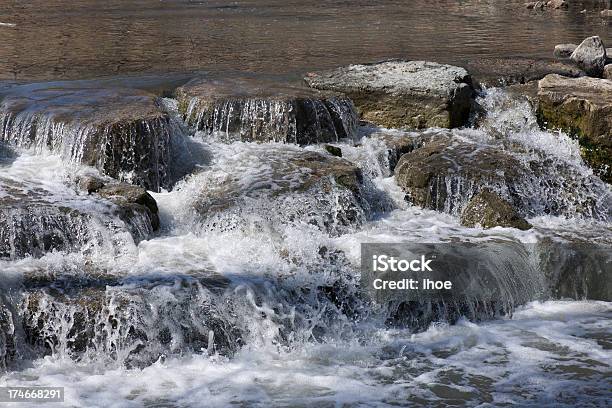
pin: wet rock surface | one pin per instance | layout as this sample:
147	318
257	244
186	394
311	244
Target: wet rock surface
403	94
591	56
492	72
244	109
123	132
583	108
134	320
131	200
313	188
446	172
488	210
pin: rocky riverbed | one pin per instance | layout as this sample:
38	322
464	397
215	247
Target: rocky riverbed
197	228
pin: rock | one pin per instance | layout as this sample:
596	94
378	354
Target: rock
403	94
494	72
131	202
90	184
256	110
582	107
564	50
422	172
606	13
333	150
398	143
607	74
33	221
133	323
123	132
558	4
7	336
489	210
313	188
30	226
447	171
590	56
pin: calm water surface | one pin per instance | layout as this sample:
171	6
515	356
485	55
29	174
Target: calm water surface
56	39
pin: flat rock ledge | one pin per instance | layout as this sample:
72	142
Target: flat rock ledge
582	107
494	72
124	133
247	109
403	94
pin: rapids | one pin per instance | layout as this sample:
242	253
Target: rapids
249	294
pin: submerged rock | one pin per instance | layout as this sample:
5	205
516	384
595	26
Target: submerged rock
493	72
489	210
243	109
403	94
564	50
582	107
591	56
123	132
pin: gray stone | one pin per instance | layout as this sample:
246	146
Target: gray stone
403	94
607	74
590	56
488	210
493	72
582	107
249	109
558	4
606	13
564	50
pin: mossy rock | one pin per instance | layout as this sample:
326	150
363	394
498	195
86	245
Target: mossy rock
488	210
581	107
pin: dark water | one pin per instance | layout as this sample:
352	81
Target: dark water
56	39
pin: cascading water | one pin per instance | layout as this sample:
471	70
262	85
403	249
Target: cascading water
250	292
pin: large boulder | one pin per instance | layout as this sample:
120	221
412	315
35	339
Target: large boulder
125	133
403	94
315	189
582	107
246	109
494	72
447	171
591	56
488	210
